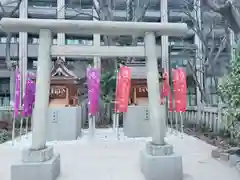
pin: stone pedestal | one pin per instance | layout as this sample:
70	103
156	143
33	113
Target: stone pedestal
37	165
136	122
158	162
64	123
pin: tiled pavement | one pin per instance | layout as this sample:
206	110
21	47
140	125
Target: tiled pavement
105	158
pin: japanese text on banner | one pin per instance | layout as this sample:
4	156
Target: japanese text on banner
123	89
93	82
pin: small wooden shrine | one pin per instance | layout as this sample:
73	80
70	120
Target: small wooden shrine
65	87
139	90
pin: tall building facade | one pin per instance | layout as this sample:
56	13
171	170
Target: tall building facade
24	46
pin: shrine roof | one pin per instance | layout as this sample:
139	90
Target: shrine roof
60	70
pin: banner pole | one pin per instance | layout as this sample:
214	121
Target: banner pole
90	125
93	125
176	122
21	128
13	129
167	114
26	127
171	121
114	122
116	105
174	101
181	119
117	125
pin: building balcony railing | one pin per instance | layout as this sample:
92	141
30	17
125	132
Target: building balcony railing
86	14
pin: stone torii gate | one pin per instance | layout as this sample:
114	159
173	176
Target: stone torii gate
39	162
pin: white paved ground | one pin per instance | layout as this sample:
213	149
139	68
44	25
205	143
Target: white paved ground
106	158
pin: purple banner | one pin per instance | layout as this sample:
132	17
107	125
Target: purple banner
29	97
93	83
26	99
32	97
17	93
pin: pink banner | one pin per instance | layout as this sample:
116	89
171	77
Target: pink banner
166	86
32	97
165	90
123	89
180	86
17	93
93	82
26	98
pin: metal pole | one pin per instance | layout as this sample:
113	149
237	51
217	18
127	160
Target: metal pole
170	90
157	117
171	120
176	120
93	125
27	127
90	125
114	121
21	127
181	120
116	113
40	111
117	126
164	44
13	128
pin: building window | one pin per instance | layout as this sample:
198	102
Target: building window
34	39
14	39
79	3
32	62
4	91
78	40
40	3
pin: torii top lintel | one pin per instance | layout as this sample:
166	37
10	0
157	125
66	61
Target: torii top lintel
15	25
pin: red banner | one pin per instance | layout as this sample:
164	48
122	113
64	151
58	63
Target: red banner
170	102
164	91
180	89
166	86
123	89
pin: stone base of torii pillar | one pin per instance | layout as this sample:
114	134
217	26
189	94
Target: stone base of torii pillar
37	165
158	162
157	159
39	161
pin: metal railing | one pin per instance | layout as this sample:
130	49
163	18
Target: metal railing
213	118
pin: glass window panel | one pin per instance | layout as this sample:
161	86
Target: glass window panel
54	41
3	39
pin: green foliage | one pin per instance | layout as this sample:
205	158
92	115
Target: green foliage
108	86
230	90
3	136
230	87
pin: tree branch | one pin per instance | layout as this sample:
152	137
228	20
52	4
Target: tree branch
2	8
220	49
81	13
9	35
96	7
143	12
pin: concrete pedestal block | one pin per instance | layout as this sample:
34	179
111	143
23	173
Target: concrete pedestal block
234	159
29	155
37	165
64	123
136	122
161	167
